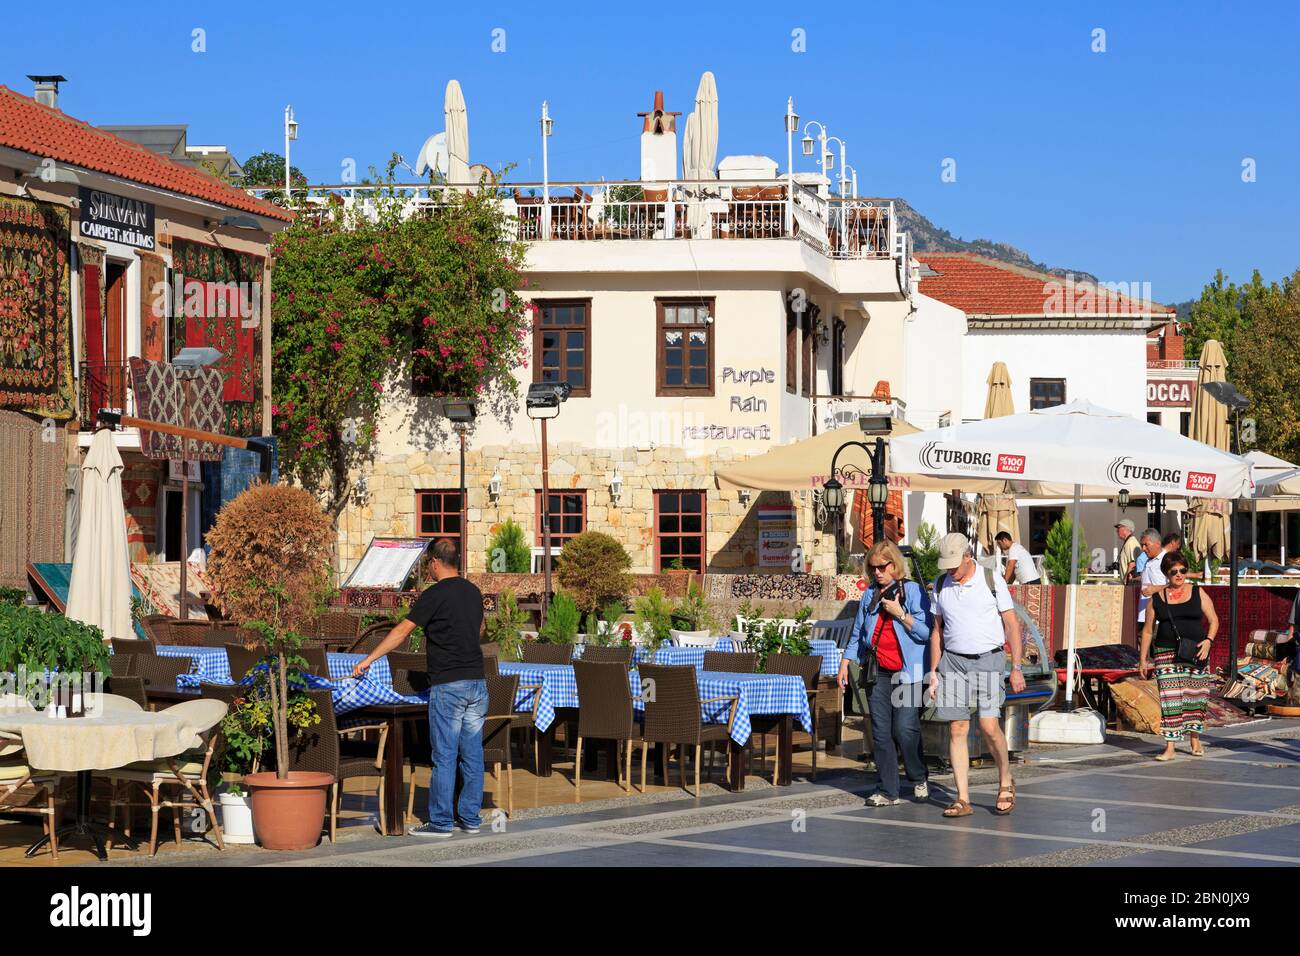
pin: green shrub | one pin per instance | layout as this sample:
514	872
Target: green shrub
14	597
562	621
1056	553
694	610
763	637
34	641
925	553
653	618
593	568
508	551
504	626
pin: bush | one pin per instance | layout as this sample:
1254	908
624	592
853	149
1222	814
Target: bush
593	568
562	621
14	597
925	553
763	637
504	626
653	618
694	610
1056	553
34	640
508	551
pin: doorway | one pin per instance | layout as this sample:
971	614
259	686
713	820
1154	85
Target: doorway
115	335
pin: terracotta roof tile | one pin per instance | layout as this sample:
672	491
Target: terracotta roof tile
980	286
34	128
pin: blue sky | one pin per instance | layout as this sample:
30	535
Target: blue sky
1126	163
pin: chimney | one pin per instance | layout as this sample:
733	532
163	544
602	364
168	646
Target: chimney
658	142
47	89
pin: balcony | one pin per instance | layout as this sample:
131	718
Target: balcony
837	411
1173	364
103	386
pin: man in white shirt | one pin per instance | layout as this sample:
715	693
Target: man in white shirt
974	617
1018	563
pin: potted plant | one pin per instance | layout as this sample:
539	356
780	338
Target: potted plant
593	568
269	568
562	621
763	636
33	642
652	619
693	613
504	626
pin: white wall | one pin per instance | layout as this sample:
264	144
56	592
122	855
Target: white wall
933	366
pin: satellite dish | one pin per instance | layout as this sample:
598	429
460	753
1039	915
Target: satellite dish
433	155
479	173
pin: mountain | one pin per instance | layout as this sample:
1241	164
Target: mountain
927	237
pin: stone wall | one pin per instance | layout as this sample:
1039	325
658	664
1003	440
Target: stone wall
388	505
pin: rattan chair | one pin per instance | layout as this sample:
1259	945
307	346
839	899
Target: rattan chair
157	628
336	627
187	633
243	659
121	665
410	672
608	655
187	771
23	790
317	662
371	637
217	636
129	686
124	646
502	690
604	713
672	716
226	693
535	653
161	672
730	662
319	748
809	668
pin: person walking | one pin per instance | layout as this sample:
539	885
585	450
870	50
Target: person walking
893	622
974	616
451	613
1019	567
1152	578
1128	549
1179	610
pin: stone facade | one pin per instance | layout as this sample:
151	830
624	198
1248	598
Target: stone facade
387	507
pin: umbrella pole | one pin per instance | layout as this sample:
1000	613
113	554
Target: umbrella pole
1074	585
1254	532
1232	592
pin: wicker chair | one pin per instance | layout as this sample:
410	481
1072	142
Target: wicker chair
188	772
128	686
161	672
38	789
243	659
121	665
336	627
608	655
672	716
534	653
809	668
320	749
187	633
731	662
604	713
370	638
410	672
122	646
317	662
217	636
157	628
502	690
226	693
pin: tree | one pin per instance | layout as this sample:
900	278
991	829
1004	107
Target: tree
508	551
1056	553
1266	363
593	568
1214	316
361	304
267	169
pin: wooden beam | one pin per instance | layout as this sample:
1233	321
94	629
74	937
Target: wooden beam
192	433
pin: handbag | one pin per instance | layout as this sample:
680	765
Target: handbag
870	666
1186	649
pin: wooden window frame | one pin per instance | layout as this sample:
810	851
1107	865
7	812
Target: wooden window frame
420	512
791	351
558	538
663	390
838	328
539	326
703	533
808	350
1064	392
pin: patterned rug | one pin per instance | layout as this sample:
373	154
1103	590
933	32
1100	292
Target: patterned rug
1099	617
153	273
1045	604
160	587
35	328
1258	608
160	396
32	495
766	587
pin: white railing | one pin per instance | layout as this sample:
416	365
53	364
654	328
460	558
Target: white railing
837	411
861	228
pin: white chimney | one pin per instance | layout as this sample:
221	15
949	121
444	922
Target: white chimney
658	142
47	89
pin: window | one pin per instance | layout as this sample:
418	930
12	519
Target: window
837	357
562	344
1153	418
791	351
685	351
1040	522
808	322
1185	424
679	530
1046	392
568	514
437	513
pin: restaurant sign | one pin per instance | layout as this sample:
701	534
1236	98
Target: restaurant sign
1170	392
112	218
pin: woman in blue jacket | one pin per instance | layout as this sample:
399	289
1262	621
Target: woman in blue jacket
898	627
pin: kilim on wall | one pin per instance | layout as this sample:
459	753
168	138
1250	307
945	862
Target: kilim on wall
153	333
35	328
220	307
33	477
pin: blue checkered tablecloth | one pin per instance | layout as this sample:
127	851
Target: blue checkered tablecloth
758	693
830	653
209	664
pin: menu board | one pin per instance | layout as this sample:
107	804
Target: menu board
387	563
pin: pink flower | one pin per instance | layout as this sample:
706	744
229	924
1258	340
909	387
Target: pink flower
444	350
337	346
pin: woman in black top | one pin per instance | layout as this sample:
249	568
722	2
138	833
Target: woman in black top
1177	611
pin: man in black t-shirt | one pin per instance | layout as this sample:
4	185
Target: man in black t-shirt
451	613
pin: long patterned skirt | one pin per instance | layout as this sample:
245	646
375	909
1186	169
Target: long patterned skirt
1183	694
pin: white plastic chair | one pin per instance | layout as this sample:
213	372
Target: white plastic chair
694	638
837	630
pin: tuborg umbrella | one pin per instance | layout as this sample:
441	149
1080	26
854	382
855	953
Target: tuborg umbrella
99	592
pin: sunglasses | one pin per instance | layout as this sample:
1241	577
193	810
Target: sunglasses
1173	571
881	567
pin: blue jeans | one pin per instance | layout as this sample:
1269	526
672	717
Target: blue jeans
896	728
456	712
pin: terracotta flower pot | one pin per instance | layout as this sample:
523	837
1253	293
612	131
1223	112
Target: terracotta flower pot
288	814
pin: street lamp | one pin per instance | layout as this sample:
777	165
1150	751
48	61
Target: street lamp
791	127
1225	394
542	404
188	362
1123	499
461	414
877	484
547	125
290	133
615	488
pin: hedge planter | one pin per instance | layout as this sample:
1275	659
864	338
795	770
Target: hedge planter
288	814
237	818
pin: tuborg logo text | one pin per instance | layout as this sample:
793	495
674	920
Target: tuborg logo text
1120	472
936	458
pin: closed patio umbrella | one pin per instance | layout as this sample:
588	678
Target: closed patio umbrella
702	145
997	513
99	592
457	133
1209	533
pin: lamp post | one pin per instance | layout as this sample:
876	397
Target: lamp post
826	161
290	133
543	404
188	362
547	125
877	484
461	413
878	491
1225	394
791	127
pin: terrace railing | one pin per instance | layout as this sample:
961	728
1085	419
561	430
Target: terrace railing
103	386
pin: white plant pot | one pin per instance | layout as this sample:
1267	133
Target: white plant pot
236	819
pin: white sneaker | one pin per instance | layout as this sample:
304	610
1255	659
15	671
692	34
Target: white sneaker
921	791
879	799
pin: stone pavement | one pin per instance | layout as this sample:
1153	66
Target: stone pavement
1109	805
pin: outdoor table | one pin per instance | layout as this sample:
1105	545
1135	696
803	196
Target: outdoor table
212	666
82	745
394	715
827	650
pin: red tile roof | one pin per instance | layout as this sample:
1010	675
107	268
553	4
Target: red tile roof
33	128
980	287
